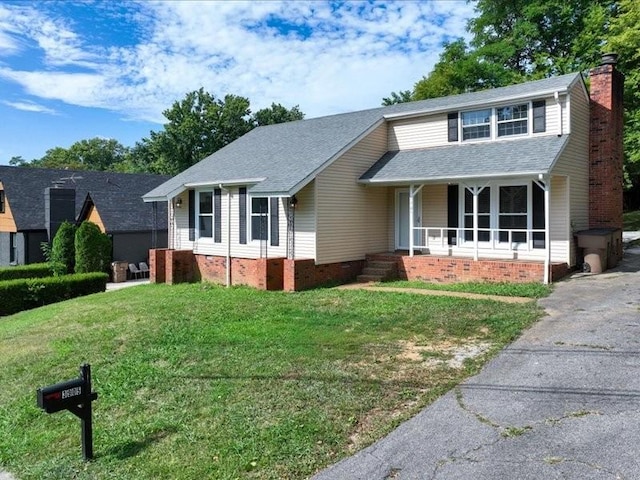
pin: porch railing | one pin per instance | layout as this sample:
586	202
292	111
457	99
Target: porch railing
488	238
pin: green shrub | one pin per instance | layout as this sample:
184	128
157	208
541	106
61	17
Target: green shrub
93	249
24	294
63	249
33	270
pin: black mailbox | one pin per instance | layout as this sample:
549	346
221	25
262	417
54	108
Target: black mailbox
62	395
76	396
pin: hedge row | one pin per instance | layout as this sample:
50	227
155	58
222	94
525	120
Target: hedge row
33	270
24	294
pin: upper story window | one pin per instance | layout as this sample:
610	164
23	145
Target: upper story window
497	122
476	124
1	201
513	120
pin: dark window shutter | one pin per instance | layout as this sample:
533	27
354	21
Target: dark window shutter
192	215
217	215
273	207
539	120
452	213
452	119
537	214
242	208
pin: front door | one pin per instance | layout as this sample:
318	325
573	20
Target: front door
402	218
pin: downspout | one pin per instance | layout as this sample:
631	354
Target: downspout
228	259
556	95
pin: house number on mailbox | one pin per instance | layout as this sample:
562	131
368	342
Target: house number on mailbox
76	396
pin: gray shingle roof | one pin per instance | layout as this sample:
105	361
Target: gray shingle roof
482	159
117	196
284	157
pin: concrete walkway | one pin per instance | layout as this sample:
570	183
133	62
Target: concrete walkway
562	402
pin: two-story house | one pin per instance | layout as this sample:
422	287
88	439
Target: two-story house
490	185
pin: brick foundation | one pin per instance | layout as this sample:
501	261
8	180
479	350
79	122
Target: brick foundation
305	274
157	265
431	268
261	273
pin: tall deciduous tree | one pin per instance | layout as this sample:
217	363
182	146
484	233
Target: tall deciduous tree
277	114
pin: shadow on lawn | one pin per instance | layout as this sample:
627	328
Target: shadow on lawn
132	448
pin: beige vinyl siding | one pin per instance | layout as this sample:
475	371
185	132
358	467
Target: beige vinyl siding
179	224
422	132
351	218
305	222
574	164
434	206
559	220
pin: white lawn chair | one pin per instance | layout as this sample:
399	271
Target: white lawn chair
135	271
144	269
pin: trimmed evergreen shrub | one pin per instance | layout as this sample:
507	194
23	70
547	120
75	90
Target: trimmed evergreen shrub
63	249
93	249
24	294
33	270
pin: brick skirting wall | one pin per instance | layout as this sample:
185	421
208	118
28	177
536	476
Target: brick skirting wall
431	268
260	273
305	274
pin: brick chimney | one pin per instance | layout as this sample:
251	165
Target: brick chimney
605	153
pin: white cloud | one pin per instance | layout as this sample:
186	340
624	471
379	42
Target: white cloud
31	107
336	57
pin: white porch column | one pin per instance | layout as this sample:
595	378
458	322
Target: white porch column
547	236
411	220
475	222
228	273
413	191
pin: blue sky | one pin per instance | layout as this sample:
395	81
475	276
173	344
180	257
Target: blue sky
77	70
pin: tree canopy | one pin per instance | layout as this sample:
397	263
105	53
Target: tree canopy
518	40
197	126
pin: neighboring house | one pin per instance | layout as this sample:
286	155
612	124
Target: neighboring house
490	185
35	201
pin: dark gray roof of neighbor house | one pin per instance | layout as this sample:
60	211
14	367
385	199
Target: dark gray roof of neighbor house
24	189
506	158
280	159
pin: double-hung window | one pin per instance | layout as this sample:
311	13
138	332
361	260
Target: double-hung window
513	120
259	218
512	214
476	124
1	201
205	214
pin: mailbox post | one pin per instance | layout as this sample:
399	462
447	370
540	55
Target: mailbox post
76	396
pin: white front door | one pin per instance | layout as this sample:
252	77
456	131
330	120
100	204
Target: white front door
402	217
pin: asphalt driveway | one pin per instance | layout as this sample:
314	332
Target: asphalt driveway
562	402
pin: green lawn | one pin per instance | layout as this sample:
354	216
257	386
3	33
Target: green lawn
631	221
507	289
197	381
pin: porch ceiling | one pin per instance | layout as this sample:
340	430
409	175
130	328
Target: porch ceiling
490	159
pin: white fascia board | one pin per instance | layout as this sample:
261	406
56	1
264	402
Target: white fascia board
477	103
303	183
226	183
405	181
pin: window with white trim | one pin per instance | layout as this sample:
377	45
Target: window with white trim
205	214
513	213
476	124
513	120
259	218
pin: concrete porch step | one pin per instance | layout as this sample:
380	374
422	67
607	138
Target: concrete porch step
377	272
369	278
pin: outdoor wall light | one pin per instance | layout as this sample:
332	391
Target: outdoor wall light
293	201
179	202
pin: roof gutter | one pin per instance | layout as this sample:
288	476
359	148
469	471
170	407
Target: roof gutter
458	178
219	183
459	106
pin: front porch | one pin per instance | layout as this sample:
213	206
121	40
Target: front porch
449	269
